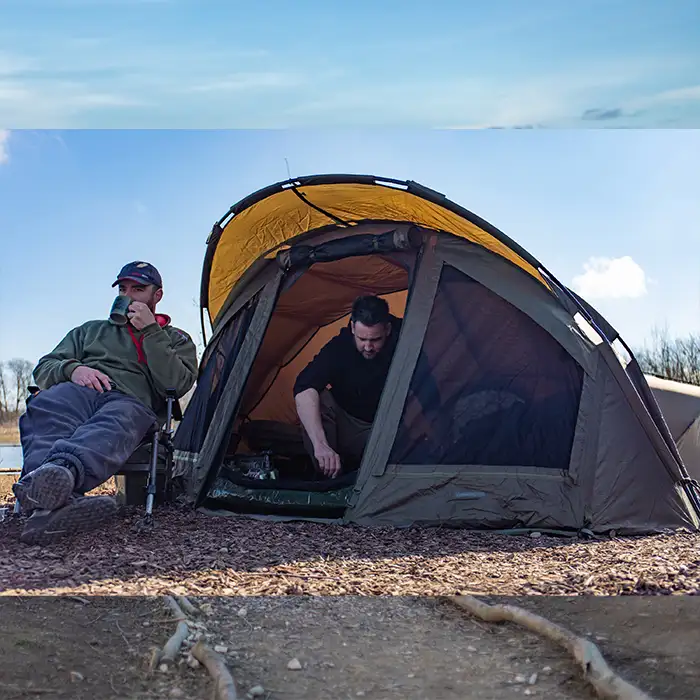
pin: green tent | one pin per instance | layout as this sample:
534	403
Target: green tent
510	402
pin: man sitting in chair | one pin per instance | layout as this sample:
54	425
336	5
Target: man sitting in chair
336	422
102	390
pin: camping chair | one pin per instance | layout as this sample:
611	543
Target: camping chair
139	474
154	456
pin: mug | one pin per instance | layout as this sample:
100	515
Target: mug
120	307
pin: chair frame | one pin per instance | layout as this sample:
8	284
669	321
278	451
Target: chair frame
161	438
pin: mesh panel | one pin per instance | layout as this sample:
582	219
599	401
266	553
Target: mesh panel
215	368
490	387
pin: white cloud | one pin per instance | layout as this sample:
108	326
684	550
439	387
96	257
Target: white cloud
611	278
4	153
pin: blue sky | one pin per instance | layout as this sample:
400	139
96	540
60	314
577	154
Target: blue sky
446	63
614	213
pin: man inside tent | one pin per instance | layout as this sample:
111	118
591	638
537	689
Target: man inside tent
338	392
101	391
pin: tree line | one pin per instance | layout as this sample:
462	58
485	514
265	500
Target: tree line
671	358
15	378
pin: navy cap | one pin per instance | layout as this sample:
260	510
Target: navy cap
139	271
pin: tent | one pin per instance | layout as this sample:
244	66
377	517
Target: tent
680	406
510	402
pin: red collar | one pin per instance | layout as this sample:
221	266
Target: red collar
162	319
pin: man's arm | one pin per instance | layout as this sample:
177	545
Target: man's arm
309	410
172	361
307	388
61	362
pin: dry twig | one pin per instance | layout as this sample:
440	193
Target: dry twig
224	685
79	599
168	653
172	646
187	606
605	681
121	631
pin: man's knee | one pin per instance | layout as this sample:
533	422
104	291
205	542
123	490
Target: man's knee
139	417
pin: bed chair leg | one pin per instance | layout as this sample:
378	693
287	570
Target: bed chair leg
152	476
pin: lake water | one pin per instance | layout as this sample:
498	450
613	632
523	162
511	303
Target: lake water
10	457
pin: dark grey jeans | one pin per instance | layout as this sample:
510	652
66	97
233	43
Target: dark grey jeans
94	432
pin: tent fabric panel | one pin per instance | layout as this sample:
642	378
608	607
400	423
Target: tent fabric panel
633	491
244	291
689	448
283	216
679	403
478	498
584	450
215	441
520	291
490	386
680	406
644	394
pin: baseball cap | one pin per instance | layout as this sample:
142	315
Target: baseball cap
139	271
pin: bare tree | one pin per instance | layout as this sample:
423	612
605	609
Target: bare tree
4	400
677	359
22	377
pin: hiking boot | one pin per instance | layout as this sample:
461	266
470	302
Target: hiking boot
82	514
46	488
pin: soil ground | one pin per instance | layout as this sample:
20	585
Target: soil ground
358	608
347	646
47	641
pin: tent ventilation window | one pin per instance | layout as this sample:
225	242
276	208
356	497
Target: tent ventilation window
588	330
621	352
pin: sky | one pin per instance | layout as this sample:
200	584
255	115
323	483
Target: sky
315	63
615	214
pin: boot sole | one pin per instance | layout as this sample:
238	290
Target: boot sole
84	516
49	488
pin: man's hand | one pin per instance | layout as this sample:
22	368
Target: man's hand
140	315
91	378
328	460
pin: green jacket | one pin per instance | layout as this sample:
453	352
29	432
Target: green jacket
167	359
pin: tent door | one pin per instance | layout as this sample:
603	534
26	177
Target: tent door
216	441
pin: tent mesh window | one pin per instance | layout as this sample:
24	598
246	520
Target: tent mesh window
490	387
215	368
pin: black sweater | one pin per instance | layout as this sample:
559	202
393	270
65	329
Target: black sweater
355	382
